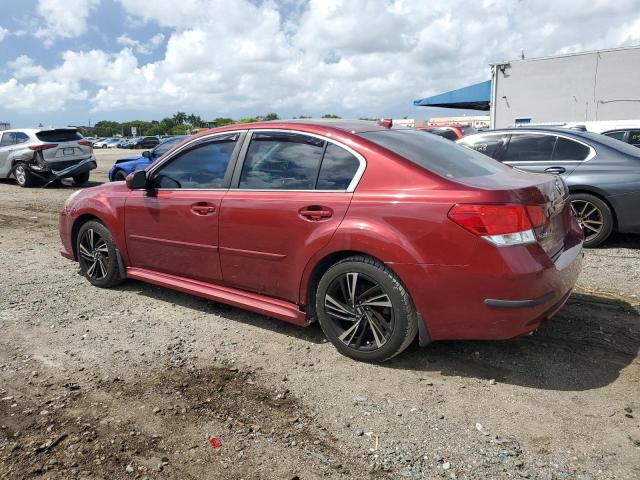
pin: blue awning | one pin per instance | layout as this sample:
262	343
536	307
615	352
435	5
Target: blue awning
473	97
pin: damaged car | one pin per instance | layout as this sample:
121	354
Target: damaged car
33	156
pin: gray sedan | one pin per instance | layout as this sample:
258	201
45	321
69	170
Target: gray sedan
603	174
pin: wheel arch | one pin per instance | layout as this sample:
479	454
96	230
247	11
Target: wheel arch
601	196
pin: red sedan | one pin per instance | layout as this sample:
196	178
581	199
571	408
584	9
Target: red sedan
378	234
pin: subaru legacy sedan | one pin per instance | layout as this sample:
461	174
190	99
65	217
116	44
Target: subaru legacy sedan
380	235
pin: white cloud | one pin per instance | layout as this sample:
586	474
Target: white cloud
63	18
350	57
3	33
144	48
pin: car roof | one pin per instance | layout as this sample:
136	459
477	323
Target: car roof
38	130
344	125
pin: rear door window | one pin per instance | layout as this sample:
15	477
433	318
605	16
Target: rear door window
529	148
435	154
281	161
570	150
634	138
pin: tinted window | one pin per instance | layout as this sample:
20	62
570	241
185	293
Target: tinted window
203	166
284	161
634	137
20	137
569	150
617	135
166	146
337	170
58	136
7	139
435	154
487	144
527	148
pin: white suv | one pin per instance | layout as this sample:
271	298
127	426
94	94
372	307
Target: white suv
31	155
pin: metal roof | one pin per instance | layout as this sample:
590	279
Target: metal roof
472	97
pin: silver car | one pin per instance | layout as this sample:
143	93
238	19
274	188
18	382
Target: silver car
43	155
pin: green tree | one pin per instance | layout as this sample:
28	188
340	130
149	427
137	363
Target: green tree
271	116
179	118
222	121
194	120
330	115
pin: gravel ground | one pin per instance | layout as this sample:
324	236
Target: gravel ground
133	382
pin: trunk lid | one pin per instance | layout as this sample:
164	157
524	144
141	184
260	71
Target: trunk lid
547	191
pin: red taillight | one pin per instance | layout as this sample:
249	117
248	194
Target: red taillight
500	224
46	146
85	142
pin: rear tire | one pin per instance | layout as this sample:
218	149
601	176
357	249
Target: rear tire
97	255
594	217
23	176
81	179
364	310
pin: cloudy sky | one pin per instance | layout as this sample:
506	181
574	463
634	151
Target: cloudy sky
68	61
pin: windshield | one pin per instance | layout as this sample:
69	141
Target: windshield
436	154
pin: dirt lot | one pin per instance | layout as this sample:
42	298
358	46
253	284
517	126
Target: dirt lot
132	382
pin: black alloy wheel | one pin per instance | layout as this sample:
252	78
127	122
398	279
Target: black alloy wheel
365	310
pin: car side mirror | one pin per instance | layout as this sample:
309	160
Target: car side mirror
147	154
137	180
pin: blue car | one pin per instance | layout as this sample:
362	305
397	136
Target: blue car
125	166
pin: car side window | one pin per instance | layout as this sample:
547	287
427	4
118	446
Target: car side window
281	161
634	138
618	135
165	147
529	147
7	139
570	150
487	144
20	137
201	167
338	169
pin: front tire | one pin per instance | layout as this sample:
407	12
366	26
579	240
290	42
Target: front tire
594	217
364	310
81	179
23	176
119	176
97	255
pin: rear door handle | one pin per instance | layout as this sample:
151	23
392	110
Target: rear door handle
315	213
203	208
556	170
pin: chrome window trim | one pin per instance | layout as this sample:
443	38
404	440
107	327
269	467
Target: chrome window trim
352	185
592	151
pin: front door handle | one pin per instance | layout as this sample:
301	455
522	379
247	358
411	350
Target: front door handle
315	213
556	170
203	208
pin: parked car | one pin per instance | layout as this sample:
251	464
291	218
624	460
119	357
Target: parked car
30	155
103	143
453	132
145	142
630	135
113	143
125	166
379	234
603	175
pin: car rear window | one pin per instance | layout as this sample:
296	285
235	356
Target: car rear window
58	136
435	154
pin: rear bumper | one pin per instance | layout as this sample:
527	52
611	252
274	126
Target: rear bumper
502	293
79	168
